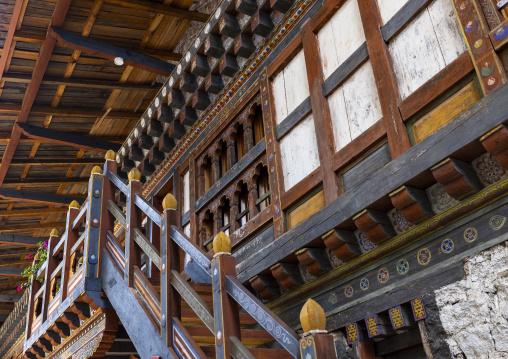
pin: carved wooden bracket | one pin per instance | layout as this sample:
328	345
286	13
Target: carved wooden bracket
287	274
266	286
315	260
412	203
343	244
375	224
458	178
496	142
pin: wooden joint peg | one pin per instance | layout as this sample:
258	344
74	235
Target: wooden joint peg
156	157
199	66
154	128
228	65
166	143
413	203
281	5
136	153
200	100
266	286
247	7
375	224
176	130
379	326
496	142
165	114
127	164
457	177
261	24
343	243
145	141
146	168
315	260
176	99
213	46
214	84
287	274
229	26
244	46
401	318
188	82
188	116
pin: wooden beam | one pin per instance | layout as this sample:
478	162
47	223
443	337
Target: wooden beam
21	240
68	139
9	271
57	161
82	83
19	213
156	7
39	197
18	7
6	108
9	297
31	227
107	51
45	181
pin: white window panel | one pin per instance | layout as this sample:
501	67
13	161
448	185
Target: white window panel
186	192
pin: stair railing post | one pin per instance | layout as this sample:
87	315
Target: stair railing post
72	237
133	218
316	342
34	288
51	265
227	319
108	193
170	260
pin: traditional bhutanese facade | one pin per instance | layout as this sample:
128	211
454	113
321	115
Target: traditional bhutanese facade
315	179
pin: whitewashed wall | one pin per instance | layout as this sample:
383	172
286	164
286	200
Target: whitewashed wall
186	192
354	106
340	37
426	46
388	8
290	87
299	152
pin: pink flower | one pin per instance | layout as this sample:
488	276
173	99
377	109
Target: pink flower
19	288
30	256
46	244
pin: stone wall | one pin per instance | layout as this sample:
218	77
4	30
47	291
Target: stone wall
474	311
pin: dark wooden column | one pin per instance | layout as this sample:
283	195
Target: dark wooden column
320	112
253	197
386	84
275	175
248	136
215	168
231	152
233	212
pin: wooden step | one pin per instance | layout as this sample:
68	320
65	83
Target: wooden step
251	338
259	353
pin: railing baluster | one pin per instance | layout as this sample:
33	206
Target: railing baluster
227	318
50	267
71	239
170	258
133	217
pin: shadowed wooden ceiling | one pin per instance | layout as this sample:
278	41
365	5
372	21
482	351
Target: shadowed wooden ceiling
64	102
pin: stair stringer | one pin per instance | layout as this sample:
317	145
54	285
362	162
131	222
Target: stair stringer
142	333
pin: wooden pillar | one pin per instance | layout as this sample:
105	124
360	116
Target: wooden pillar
215	168
51	264
231	151
316	342
170	259
253	197
275	175
248	136
72	238
227	319
133	218
217	225
386	84
201	179
320	112
233	212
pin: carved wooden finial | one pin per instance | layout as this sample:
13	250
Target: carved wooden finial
37	256
169	202
221	243
55	232
134	174
74	204
110	155
96	169
312	316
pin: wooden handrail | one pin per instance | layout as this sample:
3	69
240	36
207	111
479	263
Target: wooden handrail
117	213
78	243
81	216
57	269
60	244
147	247
41	269
118	182
192	249
148	209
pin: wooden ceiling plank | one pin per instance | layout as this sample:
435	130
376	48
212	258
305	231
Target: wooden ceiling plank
81	83
157	7
9	271
20	240
101	49
38	197
7	108
18	8
20	213
66	138
57	161
45	181
31	226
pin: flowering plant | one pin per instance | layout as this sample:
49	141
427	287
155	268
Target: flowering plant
39	259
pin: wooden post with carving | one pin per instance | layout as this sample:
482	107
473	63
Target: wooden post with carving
170	259
132	250
227	319
316	342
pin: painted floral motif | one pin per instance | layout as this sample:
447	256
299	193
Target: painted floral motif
365	244
424	256
470	234
403	266
439	199
447	245
348	291
400	224
364	284
333	258
332	298
488	169
307	277
497	222
383	275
